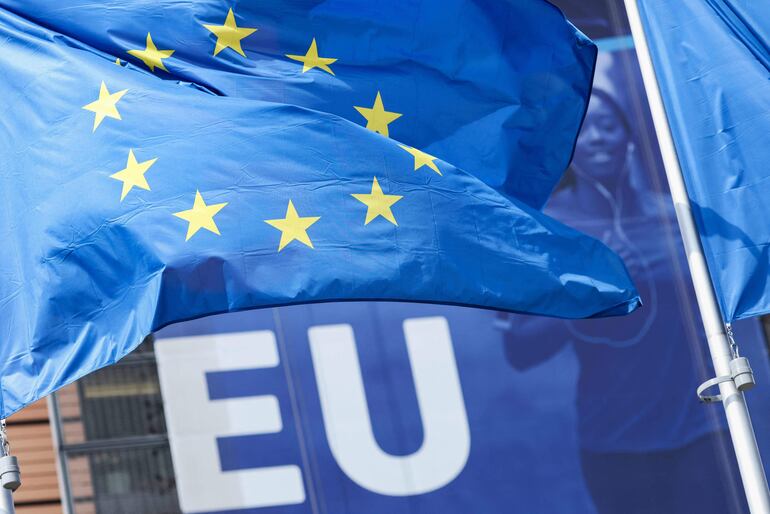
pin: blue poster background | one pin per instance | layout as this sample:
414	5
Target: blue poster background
587	417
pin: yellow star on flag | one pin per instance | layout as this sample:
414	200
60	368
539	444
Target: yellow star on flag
378	204
133	174
377	118
229	35
105	106
293	227
151	56
311	59
200	216
421	159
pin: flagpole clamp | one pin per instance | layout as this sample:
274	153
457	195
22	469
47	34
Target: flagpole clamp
740	373
10	474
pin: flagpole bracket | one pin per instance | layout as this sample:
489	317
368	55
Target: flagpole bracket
10	475
740	373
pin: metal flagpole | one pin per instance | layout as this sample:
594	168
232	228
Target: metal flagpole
730	379
6	501
10	479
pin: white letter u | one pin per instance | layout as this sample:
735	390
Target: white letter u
446	442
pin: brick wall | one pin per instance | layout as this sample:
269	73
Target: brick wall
29	431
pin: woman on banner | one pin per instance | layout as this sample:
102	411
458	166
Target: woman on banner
646	443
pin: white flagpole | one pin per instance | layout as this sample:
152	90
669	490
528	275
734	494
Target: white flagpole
739	423
6	501
10	478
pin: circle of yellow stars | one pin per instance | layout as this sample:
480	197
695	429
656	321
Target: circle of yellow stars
292	226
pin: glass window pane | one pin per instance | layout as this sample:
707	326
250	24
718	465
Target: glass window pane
123	481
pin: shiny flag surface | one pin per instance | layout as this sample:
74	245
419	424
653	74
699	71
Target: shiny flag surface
130	202
712	60
495	87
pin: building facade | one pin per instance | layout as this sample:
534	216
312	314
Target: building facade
98	445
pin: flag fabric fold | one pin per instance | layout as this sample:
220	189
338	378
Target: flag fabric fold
712	60
128	202
514	74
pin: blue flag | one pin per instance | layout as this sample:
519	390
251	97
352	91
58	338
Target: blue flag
495	87
713	65
131	202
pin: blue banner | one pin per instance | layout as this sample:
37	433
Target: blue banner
588	417
398	407
712	60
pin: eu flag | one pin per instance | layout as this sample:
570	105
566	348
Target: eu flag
130	202
713	63
497	87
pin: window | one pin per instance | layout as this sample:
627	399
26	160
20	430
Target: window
112	437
